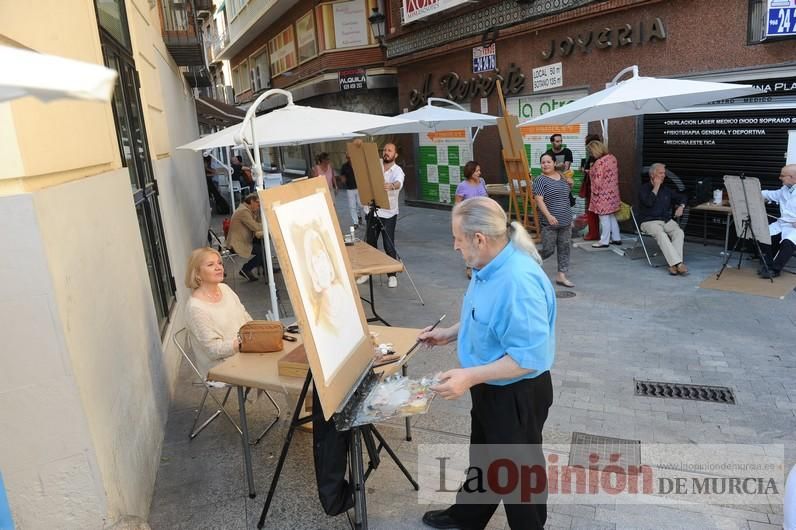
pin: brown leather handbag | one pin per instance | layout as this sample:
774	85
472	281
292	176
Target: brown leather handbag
261	336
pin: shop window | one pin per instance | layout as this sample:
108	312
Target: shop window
756	21
294	159
134	148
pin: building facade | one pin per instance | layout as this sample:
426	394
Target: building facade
549	53
100	213
324	53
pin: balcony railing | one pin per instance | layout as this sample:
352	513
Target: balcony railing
217	43
222	93
196	76
180	32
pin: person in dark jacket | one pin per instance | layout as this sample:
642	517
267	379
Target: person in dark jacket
656	203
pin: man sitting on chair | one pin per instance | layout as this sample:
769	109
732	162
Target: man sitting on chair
783	230
656	202
246	234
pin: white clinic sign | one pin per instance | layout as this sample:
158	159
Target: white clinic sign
548	76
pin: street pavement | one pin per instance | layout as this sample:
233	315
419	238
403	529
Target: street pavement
626	321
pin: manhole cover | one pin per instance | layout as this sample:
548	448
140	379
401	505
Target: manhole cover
713	394
565	294
591	450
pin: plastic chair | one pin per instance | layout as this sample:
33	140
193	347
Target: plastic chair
179	341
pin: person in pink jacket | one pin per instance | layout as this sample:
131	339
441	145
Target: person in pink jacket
604	201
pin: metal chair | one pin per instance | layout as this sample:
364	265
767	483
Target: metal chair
238	191
179	341
640	239
226	255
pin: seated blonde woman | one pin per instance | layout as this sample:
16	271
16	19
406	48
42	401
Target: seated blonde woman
214	311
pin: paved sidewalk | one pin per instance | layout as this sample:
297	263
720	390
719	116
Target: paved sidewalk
626	321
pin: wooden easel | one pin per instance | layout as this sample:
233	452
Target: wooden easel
521	201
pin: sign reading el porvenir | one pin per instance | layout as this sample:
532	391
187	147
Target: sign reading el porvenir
459	88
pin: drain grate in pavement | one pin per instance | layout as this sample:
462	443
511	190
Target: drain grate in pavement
565	294
713	394
591	450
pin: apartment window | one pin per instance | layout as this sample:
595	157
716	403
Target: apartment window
134	148
341	25
305	37
240	78
235	7
282	51
756	21
261	75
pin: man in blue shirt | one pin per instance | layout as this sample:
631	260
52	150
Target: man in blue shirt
506	346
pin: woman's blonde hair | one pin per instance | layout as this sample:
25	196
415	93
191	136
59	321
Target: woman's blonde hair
485	216
597	148
192	280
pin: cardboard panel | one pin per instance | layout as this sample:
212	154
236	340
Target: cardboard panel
369	171
317	272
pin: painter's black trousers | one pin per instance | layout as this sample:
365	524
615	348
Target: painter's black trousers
373	229
511	414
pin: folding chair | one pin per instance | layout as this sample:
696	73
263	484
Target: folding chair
226	255
640	239
179	341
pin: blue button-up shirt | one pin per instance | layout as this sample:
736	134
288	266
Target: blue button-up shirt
509	309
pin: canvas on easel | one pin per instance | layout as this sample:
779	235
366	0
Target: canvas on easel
521	202
369	171
320	283
746	201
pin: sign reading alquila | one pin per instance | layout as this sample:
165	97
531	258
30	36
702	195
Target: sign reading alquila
354	79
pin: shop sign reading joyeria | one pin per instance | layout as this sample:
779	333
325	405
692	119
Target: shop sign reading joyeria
607	37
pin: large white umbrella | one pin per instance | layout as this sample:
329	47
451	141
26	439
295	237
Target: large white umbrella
641	95
277	137
296	125
48	77
435	118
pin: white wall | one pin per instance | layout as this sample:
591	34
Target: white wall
99	279
85	375
46	449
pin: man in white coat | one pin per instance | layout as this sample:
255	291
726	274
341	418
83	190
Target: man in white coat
783	228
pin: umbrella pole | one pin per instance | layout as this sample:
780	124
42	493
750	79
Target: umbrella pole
269	264
229	173
257	172
604	127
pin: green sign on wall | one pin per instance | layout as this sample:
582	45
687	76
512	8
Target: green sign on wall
443	155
